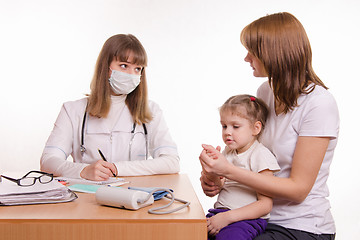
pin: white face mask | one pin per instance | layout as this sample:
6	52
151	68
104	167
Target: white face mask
123	83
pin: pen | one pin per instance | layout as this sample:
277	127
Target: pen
117	184
103	157
62	182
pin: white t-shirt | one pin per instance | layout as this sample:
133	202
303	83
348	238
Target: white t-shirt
316	115
257	158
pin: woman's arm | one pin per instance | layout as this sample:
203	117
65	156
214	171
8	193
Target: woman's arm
58	147
307	159
255	210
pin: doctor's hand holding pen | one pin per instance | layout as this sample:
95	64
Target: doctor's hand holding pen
99	171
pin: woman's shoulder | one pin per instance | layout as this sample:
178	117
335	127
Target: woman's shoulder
76	105
319	96
154	107
320	91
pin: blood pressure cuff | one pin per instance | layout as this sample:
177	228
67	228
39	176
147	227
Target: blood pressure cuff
157	195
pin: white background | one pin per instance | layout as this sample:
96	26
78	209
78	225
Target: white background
48	50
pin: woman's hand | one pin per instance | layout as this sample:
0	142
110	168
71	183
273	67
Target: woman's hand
211	183
209	187
98	171
213	161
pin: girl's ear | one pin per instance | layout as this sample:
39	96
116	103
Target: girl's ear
257	128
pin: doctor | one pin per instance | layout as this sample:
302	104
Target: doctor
116	118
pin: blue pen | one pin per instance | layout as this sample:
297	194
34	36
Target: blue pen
103	157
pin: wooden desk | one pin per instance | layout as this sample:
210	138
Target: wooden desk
85	219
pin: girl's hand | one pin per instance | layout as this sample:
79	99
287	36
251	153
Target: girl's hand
98	171
216	164
211	152
216	223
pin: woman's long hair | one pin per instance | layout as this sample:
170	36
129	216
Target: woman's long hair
280	42
119	47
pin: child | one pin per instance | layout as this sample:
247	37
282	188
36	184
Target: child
240	212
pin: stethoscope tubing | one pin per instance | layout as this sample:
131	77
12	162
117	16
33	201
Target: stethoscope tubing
82	139
132	139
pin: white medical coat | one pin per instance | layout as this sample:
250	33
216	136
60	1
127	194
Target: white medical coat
65	140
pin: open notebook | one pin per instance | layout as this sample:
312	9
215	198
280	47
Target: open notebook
87	186
71	181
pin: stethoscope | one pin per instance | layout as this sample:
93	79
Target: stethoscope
133	133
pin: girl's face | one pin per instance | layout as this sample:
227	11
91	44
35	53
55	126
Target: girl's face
126	67
256	64
238	133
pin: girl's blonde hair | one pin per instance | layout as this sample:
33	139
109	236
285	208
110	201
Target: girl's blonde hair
255	108
280	42
119	47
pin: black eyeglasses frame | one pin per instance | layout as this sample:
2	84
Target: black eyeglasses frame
18	181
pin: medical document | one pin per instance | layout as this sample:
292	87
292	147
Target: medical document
52	192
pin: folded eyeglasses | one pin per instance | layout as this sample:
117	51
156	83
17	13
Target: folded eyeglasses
28	180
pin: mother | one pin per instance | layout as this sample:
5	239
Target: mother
301	131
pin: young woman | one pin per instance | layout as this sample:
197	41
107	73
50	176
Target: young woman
302	131
115	120
240	212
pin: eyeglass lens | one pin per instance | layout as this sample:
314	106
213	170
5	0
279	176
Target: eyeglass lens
45	178
28	181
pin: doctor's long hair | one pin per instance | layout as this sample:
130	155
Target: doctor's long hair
119	47
280	42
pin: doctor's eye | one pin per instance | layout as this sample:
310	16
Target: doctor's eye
138	69
124	66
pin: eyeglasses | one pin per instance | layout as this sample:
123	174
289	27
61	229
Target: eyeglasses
27	180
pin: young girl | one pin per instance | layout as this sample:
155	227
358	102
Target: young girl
302	131
115	120
241	212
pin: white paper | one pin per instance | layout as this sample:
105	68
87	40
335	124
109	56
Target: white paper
52	192
8	187
84	181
